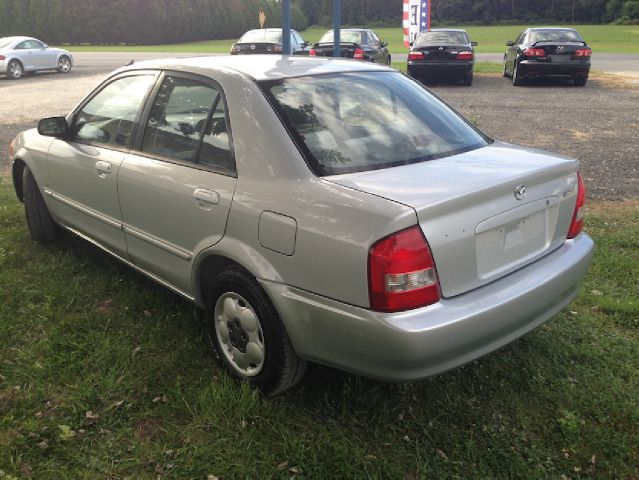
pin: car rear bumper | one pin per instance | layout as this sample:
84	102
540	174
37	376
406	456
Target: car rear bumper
535	68
431	69
419	343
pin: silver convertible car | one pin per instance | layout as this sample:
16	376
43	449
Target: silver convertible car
19	55
389	237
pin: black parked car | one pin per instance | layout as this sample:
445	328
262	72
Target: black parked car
355	43
548	52
268	40
442	53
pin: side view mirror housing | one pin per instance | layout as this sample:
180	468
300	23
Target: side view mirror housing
45	46
384	44
306	43
53	127
473	44
510	43
411	44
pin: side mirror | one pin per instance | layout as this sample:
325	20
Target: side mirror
306	44
53	127
510	43
411	44
45	46
384	44
473	44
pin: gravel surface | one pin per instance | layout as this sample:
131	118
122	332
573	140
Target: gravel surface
597	124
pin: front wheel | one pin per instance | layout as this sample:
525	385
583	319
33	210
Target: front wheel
505	72
248	335
64	64
41	225
15	70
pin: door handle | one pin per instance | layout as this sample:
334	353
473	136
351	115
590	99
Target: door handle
103	168
206	198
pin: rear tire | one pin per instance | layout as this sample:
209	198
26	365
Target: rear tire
15	70
41	225
468	80
580	81
517	79
248	336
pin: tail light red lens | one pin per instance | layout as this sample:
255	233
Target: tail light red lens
577	224
534	52
2	57
583	52
401	272
277	49
359	54
415	56
465	56
312	52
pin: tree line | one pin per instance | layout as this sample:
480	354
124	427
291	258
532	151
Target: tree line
171	21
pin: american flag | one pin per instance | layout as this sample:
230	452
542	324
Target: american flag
416	18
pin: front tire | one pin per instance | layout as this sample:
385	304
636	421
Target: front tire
15	70
41	225
248	335
64	64
505	72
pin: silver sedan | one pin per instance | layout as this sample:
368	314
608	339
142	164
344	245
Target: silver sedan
19	55
317	210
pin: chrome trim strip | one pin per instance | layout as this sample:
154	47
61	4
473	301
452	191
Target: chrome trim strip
178	252
132	265
92	213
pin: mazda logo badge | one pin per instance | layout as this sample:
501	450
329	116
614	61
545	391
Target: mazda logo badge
520	192
560	48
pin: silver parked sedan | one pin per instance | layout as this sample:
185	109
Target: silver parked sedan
19	55
389	237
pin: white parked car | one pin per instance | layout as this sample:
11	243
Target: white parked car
19	55
388	237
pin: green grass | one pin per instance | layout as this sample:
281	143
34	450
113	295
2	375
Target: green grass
602	38
106	375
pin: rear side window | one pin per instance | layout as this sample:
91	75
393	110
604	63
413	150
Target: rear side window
346	36
187	122
108	118
399	123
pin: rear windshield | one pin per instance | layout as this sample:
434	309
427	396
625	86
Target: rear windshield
555	36
441	38
6	41
399	122
345	36
268	36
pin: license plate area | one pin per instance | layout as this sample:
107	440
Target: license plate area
513	238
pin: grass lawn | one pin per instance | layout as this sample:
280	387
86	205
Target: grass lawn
602	38
103	374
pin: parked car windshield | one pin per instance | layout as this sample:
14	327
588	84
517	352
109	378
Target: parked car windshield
555	36
264	35
441	38
347	36
399	123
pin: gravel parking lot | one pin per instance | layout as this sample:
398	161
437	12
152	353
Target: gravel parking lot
597	124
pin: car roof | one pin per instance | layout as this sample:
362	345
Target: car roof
18	38
260	67
444	30
534	29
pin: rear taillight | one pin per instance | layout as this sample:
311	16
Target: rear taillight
359	54
465	55
577	223
583	52
2	57
235	49
534	52
415	55
401	272
277	49
312	52
11	148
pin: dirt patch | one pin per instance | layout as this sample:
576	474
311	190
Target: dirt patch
146	429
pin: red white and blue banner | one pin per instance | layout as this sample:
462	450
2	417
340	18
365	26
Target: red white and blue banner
416	18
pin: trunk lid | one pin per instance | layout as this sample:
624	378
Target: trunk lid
440	53
256	47
466	205
561	52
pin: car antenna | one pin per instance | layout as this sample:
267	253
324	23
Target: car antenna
130	63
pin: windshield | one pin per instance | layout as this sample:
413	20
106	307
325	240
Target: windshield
555	36
265	35
441	38
399	123
346	36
